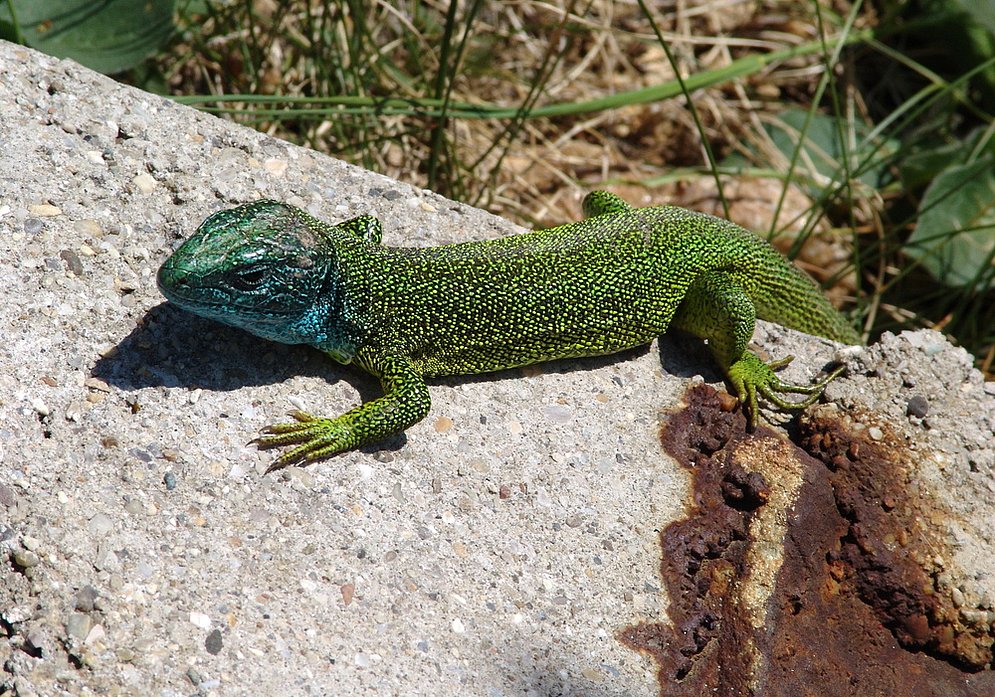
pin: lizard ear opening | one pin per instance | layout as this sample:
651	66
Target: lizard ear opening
365	227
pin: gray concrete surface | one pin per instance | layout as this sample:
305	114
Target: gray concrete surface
494	550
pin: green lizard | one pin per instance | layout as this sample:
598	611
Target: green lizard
617	279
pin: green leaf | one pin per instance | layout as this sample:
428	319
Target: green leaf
106	35
981	11
962	38
821	151
955	236
927	158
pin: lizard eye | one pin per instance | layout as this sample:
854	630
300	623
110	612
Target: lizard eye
249	278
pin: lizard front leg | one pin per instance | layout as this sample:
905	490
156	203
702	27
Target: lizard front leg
405	402
717	308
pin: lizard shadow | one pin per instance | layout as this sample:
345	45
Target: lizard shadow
171	348
175	349
684	355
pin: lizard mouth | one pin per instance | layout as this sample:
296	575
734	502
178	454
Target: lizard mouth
180	287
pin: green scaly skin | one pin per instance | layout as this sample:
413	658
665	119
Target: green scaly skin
617	279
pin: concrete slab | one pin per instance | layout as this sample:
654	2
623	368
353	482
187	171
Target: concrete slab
500	548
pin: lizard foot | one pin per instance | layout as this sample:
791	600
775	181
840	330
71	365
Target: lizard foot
750	376
316	438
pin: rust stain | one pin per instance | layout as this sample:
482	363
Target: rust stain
840	609
894	546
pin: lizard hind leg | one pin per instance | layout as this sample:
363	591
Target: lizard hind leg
717	309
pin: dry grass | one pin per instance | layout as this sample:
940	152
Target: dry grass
576	51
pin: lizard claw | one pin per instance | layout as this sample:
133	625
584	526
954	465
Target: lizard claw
750	375
315	437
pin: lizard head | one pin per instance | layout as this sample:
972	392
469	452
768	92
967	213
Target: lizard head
265	267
